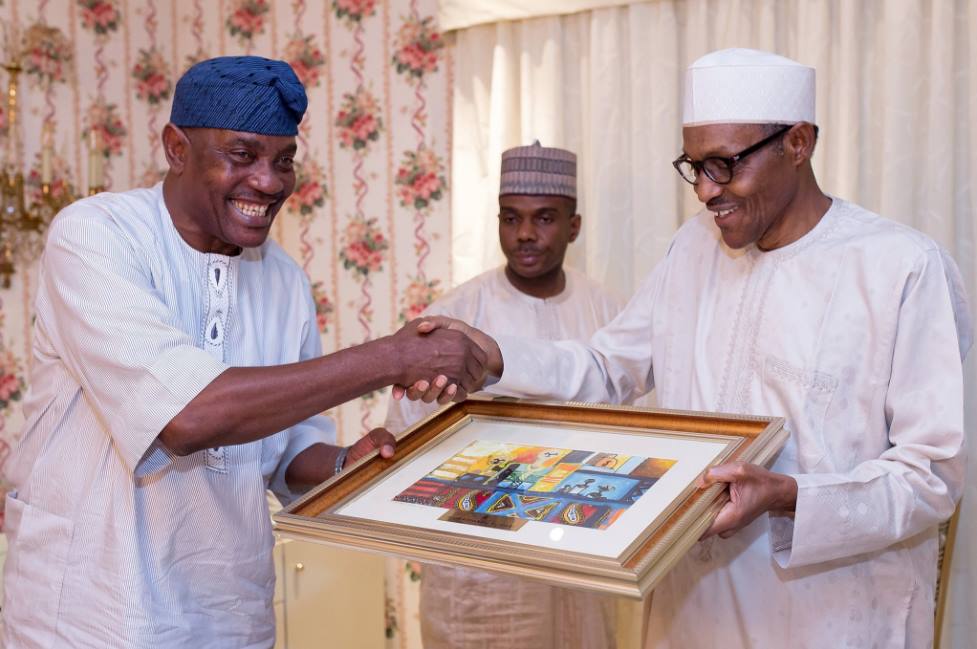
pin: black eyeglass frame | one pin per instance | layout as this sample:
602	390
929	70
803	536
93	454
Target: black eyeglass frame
699	166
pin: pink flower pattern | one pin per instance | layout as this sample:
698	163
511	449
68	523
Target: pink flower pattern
354	11
364	246
358	120
47	54
323	307
414	570
416	47
149	72
11	380
247	19
419	295
420	179
104	118
102	16
61	186
306	59
310	189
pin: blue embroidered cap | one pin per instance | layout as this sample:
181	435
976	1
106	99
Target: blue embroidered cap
240	93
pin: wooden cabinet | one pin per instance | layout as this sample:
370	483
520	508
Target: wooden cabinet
632	622
327	597
279	600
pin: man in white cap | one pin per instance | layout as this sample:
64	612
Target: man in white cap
778	299
533	294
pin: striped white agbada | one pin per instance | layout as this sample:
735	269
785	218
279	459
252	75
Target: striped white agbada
479	610
855	334
114	541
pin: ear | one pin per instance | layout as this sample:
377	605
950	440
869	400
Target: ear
575	221
176	146
799	143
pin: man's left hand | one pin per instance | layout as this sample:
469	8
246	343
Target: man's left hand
752	491
378	438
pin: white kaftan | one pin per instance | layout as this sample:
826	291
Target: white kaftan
471	609
114	541
855	334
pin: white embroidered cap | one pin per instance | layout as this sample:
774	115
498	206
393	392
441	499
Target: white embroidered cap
741	86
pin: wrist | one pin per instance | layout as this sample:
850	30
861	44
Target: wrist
392	368
495	365
787	494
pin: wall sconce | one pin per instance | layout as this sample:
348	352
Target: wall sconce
23	224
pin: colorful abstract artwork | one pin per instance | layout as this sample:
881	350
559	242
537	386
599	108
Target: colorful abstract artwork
552	485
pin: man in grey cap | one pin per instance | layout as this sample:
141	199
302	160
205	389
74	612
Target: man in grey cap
178	375
533	294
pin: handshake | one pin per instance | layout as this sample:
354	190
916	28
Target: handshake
443	360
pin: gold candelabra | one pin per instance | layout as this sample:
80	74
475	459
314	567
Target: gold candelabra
23	222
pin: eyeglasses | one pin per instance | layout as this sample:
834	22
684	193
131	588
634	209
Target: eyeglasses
719	170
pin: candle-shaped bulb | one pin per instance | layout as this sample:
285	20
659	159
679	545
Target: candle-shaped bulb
47	153
95	160
13	132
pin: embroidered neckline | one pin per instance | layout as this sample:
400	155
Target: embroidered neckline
824	228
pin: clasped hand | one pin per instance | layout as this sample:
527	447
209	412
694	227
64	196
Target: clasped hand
441	360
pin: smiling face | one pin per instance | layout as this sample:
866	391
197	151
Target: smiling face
534	232
228	186
752	208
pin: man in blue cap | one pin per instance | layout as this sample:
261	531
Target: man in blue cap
178	375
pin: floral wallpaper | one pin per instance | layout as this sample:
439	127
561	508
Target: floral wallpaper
369	219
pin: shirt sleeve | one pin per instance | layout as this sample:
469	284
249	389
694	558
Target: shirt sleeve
615	366
98	309
315	430
916	482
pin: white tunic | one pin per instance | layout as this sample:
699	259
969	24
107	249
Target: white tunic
855	334
114	541
470	609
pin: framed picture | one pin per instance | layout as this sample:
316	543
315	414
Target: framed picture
578	495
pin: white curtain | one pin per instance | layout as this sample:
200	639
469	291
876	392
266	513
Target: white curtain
897	107
456	14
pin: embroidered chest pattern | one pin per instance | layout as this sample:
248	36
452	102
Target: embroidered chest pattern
215	325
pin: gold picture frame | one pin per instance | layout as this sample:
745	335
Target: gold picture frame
577	495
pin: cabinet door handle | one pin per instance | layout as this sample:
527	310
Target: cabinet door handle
299	567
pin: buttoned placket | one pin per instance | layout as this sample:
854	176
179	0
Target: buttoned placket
218	308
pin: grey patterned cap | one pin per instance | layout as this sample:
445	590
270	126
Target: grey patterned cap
539	171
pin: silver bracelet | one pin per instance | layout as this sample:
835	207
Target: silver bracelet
340	460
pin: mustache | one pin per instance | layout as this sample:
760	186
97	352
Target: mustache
719	201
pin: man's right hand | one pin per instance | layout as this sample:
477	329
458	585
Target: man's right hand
442	388
443	359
